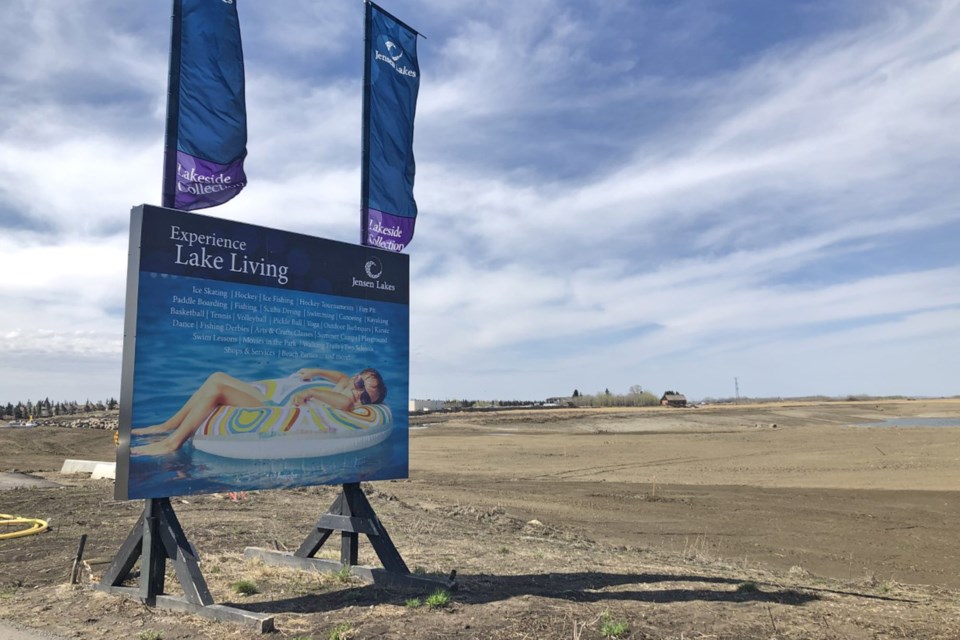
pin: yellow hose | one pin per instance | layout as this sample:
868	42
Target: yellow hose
36	526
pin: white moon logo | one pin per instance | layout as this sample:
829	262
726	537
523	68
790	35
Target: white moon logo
393	50
373	268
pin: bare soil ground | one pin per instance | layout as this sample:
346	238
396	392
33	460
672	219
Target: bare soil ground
779	521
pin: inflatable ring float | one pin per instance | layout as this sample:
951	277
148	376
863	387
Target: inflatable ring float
308	431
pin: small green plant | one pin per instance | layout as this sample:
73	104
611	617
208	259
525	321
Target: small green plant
245	587
748	587
503	551
438	599
610	628
344	574
341	632
886	586
149	634
413	603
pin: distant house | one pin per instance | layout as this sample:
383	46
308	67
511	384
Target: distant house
673	399
425	405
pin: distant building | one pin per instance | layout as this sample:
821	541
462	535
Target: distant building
425	405
673	399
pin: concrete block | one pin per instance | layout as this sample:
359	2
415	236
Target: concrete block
79	466
106	470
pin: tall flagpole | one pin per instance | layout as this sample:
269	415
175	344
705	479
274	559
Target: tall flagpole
173	110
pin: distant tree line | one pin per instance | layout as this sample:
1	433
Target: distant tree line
47	409
459	405
816	398
635	397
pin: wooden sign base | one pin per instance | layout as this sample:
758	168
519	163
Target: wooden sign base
155	538
351	515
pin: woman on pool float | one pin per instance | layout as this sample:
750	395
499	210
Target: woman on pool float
348	393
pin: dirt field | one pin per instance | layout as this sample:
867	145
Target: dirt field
772	521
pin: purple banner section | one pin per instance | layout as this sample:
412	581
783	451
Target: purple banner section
388	231
202	184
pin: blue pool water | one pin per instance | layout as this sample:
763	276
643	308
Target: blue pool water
189	471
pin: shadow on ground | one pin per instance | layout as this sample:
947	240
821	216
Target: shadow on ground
573	587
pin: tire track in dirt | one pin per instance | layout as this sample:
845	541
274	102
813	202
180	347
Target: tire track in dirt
584	472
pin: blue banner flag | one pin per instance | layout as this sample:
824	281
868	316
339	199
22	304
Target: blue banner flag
391	84
206	110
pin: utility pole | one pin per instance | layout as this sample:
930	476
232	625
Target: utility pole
736	385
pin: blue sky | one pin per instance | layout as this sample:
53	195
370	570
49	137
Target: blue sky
611	192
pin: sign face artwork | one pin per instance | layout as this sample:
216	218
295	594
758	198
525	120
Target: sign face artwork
256	358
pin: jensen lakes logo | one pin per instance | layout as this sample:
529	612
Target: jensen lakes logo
373	269
393	57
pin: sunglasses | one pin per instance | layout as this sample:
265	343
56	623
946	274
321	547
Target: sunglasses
359	383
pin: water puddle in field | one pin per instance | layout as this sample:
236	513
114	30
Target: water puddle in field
914	422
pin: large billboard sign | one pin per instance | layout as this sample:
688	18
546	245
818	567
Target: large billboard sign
256	358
